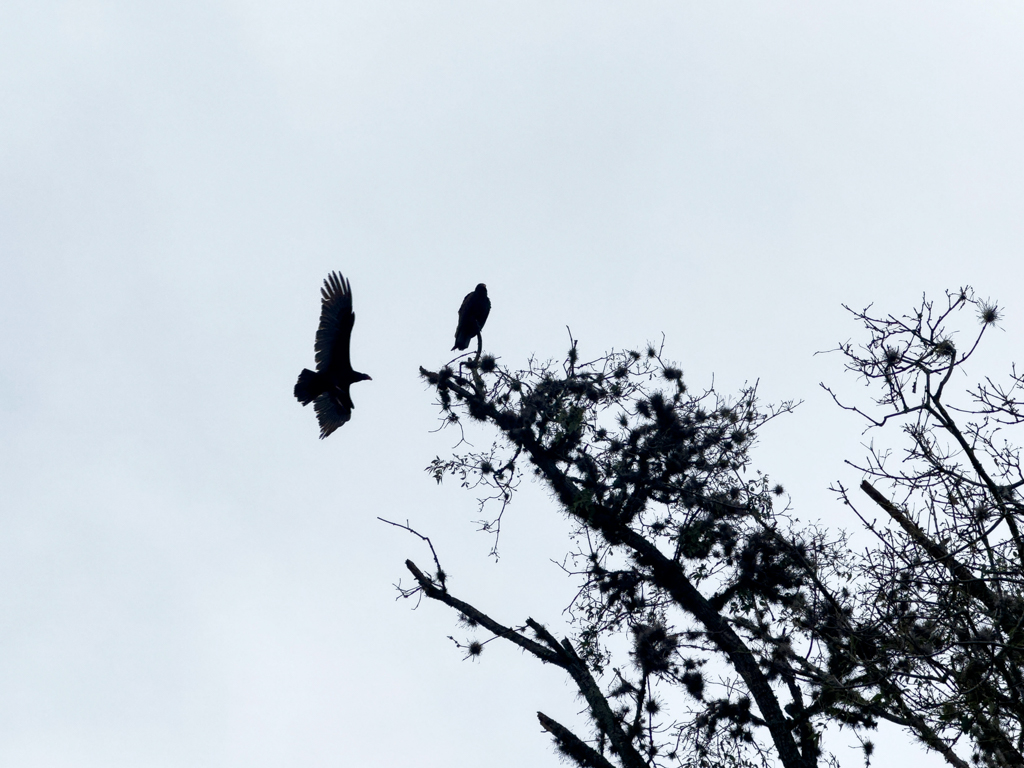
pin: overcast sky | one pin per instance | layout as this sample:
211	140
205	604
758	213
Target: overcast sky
188	576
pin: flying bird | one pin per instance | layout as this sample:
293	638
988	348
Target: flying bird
472	316
328	387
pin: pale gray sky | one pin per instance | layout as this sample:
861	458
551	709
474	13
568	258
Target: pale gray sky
188	576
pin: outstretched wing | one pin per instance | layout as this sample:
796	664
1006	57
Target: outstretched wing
333	408
335	331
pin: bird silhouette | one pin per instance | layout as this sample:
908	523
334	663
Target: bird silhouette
472	316
328	386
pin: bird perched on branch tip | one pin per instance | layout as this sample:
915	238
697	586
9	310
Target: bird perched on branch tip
472	316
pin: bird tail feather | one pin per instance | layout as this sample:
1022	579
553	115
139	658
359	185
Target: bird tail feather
308	387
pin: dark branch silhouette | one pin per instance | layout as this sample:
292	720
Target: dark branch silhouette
941	596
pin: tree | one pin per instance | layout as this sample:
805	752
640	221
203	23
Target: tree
681	557
709	627
942	595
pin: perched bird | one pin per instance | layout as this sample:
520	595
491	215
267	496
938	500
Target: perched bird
472	316
329	384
